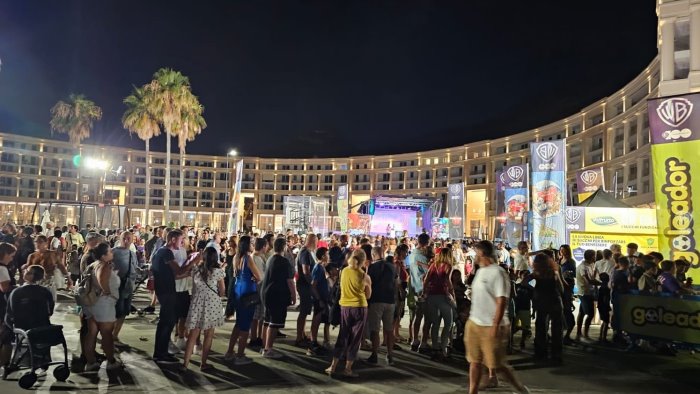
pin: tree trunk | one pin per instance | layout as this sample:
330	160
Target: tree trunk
166	202
148	181
182	185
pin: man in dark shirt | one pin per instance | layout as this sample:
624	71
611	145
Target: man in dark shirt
305	265
30	305
165	271
382	304
25	247
278	294
153	244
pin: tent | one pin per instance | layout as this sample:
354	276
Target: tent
602	199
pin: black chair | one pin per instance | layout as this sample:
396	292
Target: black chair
32	349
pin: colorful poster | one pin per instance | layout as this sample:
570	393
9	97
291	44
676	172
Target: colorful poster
588	182
580	241
548	194
234	215
500	205
516	202
674	125
670	318
359	223
342	206
440	228
455	210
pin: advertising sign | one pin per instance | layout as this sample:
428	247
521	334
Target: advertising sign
516	202
548	194
580	241
440	228
500	205
455	210
234	214
674	125
670	318
620	220
588	182
342	206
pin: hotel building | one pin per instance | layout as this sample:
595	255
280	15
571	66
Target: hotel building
612	133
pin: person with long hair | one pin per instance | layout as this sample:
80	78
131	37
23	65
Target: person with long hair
7	253
50	261
567	270
205	308
549	290
440	301
257	335
355	289
247	278
102	314
126	265
400	255
229	254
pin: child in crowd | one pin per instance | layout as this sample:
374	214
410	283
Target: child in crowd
523	306
604	305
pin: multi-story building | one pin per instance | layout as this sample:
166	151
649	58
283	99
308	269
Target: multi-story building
612	133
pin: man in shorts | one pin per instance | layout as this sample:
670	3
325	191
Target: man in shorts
278	293
488	328
382	304
306	260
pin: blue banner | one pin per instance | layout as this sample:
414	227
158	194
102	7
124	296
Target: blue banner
549	192
516	202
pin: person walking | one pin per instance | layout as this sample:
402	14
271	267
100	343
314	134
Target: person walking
355	289
205	313
245	293
549	309
440	301
488	327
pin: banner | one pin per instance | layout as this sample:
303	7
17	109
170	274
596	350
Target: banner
674	125
455	210
342	206
580	241
440	228
516	202
670	318
499	232
234	215
588	182
548	194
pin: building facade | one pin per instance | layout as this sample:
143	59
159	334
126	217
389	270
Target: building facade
612	133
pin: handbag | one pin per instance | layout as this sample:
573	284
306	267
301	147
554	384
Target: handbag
251	299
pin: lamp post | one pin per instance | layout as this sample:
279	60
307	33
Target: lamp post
231	153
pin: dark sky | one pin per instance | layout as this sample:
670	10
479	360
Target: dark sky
325	78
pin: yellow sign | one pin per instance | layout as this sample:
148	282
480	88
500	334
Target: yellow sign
600	241
675	319
621	220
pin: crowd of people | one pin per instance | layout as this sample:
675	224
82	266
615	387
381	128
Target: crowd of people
461	296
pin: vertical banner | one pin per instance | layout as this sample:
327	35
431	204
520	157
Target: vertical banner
516	202
455	210
588	182
342	206
500	225
548	194
234	215
674	124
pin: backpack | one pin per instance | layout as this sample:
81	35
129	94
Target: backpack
86	294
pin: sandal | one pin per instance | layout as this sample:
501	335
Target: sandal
206	368
350	374
329	371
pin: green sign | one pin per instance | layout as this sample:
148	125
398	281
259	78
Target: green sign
675	319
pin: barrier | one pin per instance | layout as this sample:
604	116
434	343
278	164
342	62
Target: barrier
674	319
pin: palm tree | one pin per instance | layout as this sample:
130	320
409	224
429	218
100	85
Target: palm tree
192	124
75	118
138	119
170	93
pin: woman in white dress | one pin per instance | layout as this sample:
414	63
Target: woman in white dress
205	312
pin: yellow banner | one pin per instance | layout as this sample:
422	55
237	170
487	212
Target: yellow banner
621	220
599	241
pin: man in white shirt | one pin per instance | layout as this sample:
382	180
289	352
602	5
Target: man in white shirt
585	282
458	256
607	264
488	327
521	260
503	254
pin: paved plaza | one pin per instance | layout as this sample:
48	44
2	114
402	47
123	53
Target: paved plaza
587	370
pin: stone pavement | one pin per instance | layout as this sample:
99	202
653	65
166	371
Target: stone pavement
591	369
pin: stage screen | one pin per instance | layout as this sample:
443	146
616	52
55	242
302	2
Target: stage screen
392	220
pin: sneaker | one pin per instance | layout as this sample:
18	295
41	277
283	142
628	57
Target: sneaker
181	344
414	347
372	359
242	360
149	309
255	343
272	353
327	345
173	349
280	334
167	359
116	364
389	359
198	350
92	367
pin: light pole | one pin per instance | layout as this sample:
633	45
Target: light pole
231	153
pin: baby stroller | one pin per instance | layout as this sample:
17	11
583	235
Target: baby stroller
32	348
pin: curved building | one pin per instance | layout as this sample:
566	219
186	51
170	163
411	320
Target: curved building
612	133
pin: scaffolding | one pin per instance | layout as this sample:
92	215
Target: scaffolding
305	214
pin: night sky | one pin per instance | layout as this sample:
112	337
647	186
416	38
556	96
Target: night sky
325	78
